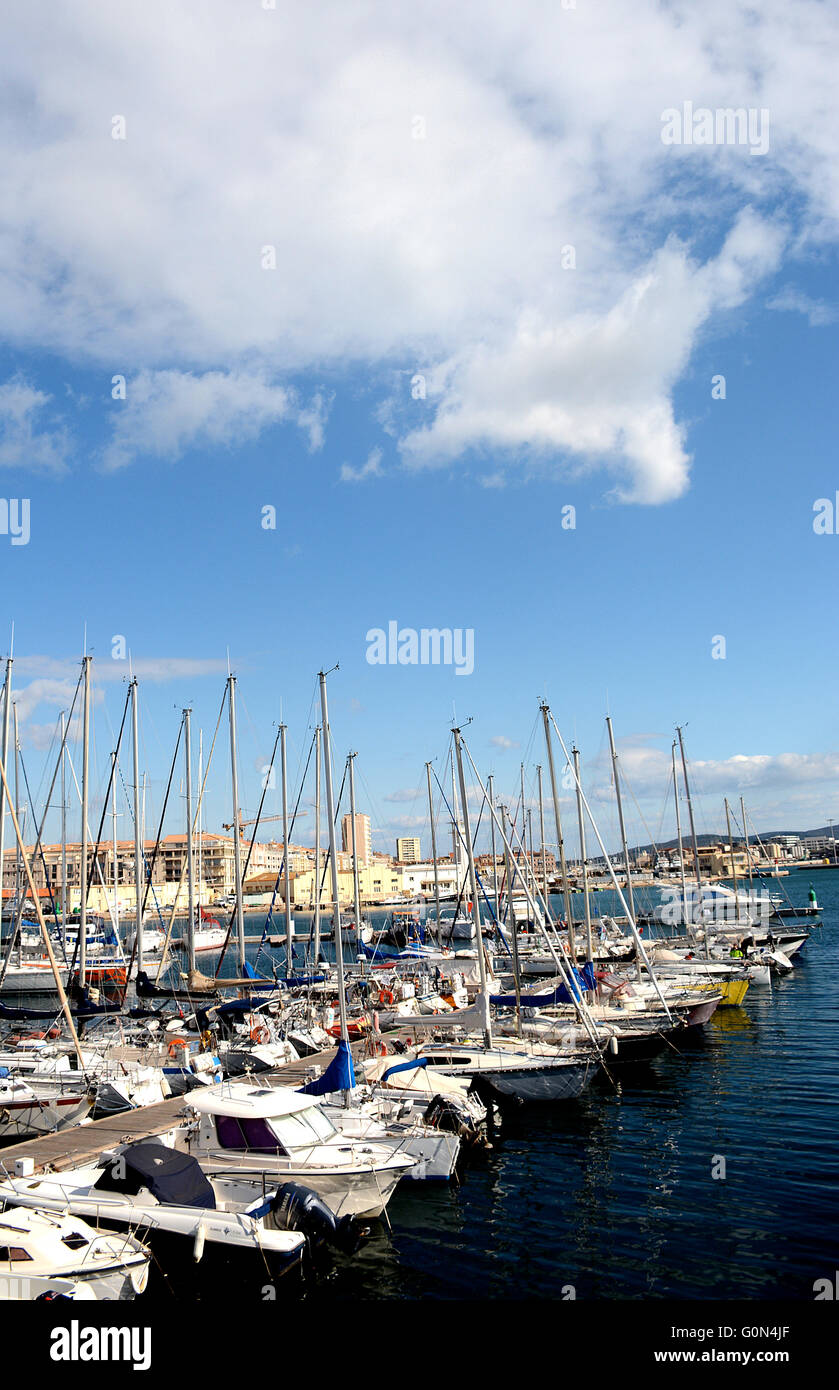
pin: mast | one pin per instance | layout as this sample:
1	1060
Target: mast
356	898
434	853
695	845
746	840
200	810
190	874
7	688
63	835
476	907
333	856
563	867
85	792
490	795
139	866
289	925
237	846
575	753
114	844
514	935
619	800
316	882
456	850
733	865
542	840
18	903
679	838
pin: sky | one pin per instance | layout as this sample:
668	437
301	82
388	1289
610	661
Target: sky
436	285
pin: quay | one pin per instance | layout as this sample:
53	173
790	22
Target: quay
73	1147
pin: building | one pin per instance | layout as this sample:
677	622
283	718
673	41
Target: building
408	849
363	842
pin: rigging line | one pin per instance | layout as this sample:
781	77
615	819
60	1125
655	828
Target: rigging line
265	784
148	867
284	869
194	823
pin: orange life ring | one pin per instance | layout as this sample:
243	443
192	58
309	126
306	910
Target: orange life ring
260	1034
385	996
175	1044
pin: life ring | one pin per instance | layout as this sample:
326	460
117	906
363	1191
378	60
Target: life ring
175	1044
385	996
260	1034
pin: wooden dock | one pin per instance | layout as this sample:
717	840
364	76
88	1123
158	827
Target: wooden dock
70	1148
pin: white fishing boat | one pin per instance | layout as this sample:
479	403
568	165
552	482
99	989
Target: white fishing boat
44	1246
275	1135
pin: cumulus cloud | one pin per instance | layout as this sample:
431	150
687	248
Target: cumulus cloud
501	741
165	413
396	188
25	441
404	794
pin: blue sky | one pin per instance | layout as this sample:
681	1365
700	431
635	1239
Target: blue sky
545	387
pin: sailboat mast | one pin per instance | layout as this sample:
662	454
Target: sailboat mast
563	867
333	856
679	836
7	689
200	812
356	895
473	881
619	800
316	881
733	865
746	839
63	835
514	934
289	925
85	793
139	867
490	795
190	873
694	840
542	841
434	851
575	753
237	844
115	848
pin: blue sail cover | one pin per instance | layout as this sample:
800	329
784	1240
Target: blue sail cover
405	1066
561	995
339	1075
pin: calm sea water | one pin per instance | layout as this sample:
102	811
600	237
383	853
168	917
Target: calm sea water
614	1193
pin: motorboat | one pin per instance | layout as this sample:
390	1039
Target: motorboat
273	1135
42	1247
34	1107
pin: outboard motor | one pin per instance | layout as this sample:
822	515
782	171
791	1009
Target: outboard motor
298	1208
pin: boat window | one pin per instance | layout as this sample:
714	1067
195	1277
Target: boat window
14	1252
75	1241
306	1127
255	1134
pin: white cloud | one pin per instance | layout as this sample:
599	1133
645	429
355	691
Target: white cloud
166	413
292	128
370	469
156	669
404	794
817	313
501	741
24	442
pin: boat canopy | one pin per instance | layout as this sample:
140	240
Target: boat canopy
267	1102
174	1178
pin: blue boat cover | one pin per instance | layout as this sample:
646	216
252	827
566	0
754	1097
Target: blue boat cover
405	1066
339	1075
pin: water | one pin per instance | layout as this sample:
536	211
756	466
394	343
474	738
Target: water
614	1195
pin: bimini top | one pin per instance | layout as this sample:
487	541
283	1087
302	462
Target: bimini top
243	1101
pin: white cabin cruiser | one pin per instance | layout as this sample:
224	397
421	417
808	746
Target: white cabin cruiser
41	1107
44	1247
273	1135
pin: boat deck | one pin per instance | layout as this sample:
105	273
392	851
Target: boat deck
72	1147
